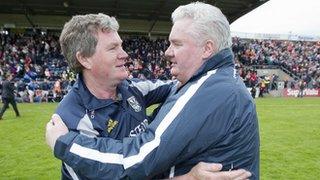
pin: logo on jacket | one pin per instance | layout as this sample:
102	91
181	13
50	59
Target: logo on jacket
139	129
111	125
134	104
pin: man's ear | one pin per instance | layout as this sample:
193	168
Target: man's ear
84	61
209	49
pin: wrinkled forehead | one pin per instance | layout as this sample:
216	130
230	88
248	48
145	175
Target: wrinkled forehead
179	28
182	24
184	29
110	36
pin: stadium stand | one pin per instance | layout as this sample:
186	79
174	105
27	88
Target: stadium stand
299	59
30	31
42	74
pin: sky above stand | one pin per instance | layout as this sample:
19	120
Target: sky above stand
297	17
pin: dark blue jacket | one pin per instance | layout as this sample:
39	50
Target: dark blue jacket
211	118
8	89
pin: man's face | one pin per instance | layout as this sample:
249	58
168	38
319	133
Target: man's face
184	52
107	63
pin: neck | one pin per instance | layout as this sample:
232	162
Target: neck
100	90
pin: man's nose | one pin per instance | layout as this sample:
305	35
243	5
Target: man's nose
169	52
123	54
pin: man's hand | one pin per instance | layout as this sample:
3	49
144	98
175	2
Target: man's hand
206	171
55	129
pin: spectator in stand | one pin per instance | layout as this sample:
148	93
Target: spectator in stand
38	96
31	87
47	73
45	87
57	91
50	96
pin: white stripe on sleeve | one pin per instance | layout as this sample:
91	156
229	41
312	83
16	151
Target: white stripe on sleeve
146	86
96	155
71	172
171	175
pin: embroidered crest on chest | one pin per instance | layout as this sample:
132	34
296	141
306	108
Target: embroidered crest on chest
111	125
134	104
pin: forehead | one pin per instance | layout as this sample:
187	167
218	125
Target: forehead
109	37
179	30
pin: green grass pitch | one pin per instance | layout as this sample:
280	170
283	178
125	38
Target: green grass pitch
289	133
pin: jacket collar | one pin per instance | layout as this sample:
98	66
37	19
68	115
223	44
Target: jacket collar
89	101
223	58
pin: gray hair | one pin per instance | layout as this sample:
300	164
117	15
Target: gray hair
208	23
80	35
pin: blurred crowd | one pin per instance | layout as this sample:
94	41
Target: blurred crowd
146	58
40	71
299	58
42	74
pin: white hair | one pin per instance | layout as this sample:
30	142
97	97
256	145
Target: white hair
208	23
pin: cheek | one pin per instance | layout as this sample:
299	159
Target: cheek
101	70
181	56
186	60
191	57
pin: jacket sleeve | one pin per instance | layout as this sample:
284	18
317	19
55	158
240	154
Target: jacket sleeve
154	91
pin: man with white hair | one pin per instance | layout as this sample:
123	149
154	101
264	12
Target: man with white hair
211	117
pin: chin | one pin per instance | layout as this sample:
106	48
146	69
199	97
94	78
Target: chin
125	76
174	73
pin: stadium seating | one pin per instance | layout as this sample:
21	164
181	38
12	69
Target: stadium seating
42	73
